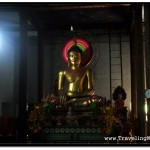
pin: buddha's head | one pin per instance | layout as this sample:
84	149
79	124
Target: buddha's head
74	55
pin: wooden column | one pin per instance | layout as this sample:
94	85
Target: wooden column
40	66
147	56
22	122
137	72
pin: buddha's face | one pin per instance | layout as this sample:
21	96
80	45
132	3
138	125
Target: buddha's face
74	58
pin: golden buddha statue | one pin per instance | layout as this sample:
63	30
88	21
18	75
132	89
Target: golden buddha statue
78	78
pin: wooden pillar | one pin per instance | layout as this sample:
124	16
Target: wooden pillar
40	66
147	56
137	72
22	121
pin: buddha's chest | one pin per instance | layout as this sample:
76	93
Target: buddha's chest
75	76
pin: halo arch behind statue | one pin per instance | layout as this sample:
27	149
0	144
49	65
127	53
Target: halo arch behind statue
86	48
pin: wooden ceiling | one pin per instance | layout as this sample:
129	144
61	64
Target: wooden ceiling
82	16
49	17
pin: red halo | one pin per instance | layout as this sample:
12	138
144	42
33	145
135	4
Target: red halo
84	46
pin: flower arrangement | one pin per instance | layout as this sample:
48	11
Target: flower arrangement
49	104
41	112
36	118
108	115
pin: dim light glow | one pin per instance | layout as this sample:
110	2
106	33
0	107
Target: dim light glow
0	41
146	110
142	13
85	103
146	118
130	107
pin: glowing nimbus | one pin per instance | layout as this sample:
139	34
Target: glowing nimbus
84	46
